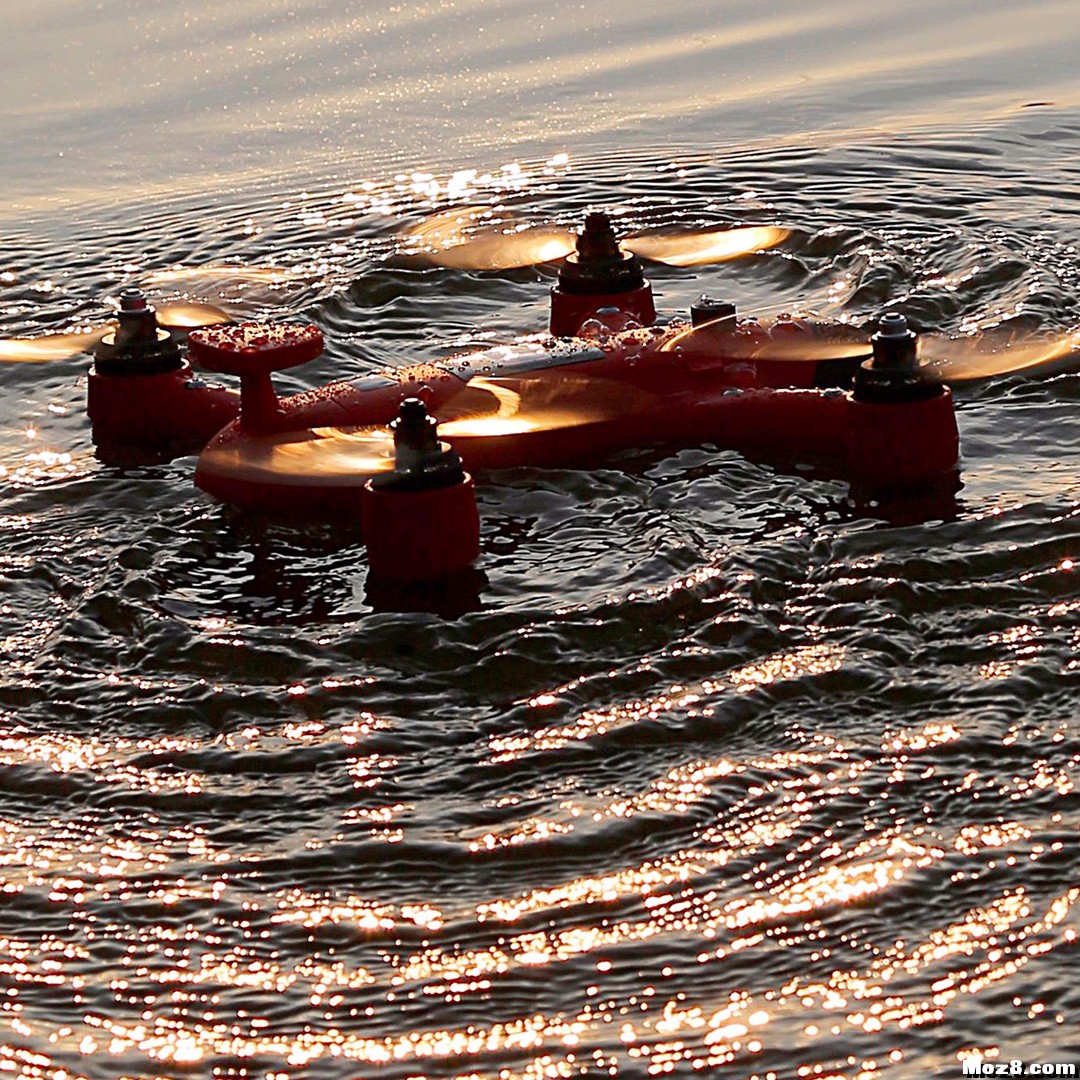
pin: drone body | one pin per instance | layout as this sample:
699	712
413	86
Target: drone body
547	402
607	379
609	376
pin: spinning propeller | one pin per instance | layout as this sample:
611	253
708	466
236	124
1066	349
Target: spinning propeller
996	352
451	239
310	457
178	317
529	403
489	407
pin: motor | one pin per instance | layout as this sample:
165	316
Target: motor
142	394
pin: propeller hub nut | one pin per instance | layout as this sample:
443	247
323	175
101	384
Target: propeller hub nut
132	299
416	435
894	344
892	375
421	461
138	346
893	324
599	266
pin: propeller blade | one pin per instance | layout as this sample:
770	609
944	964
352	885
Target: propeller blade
448	240
699	248
190	315
497	250
494	406
811	351
314	456
788	342
222	272
995	353
62	346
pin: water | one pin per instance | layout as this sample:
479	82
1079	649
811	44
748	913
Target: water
722	770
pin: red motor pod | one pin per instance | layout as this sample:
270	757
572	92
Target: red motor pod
569	311
421	535
903	445
171	409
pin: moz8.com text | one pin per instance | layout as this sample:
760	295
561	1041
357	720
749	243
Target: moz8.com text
1016	1067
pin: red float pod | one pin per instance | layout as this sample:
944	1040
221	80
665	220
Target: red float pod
903	446
903	425
141	394
421	535
420	522
570	312
600	277
170	410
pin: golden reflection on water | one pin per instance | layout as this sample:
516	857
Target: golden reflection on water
407	190
651	948
38	467
802	662
901	987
